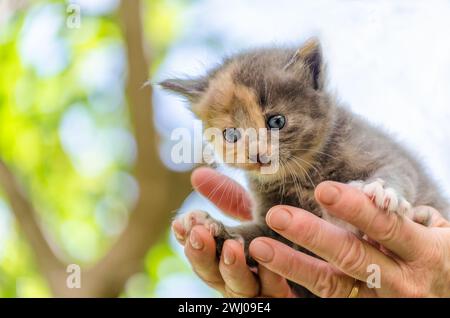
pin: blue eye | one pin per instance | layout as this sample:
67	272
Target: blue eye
276	122
231	135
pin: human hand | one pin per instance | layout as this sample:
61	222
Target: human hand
414	260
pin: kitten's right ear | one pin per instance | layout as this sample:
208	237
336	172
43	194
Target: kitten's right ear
310	56
192	89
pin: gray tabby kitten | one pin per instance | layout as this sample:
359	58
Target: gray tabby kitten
319	140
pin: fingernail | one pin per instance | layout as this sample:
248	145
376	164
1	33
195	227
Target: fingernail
329	195
195	241
178	236
262	251
228	257
175	231
279	219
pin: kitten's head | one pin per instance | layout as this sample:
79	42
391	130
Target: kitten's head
270	89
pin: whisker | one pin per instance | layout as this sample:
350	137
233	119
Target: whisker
304	170
320	152
223	192
314	151
283	189
310	165
216	188
297	186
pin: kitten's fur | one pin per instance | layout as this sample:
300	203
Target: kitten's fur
331	142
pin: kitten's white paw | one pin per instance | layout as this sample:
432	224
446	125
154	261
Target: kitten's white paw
190	219
384	197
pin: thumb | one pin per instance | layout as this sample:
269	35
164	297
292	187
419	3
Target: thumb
224	192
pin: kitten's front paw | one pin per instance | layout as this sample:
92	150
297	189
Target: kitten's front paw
220	232
190	219
384	197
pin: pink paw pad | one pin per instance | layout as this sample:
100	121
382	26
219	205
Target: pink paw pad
191	219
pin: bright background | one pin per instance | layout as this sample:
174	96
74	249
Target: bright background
65	129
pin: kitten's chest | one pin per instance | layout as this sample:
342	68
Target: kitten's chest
295	194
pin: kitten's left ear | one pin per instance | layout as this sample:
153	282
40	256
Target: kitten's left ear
192	89
310	54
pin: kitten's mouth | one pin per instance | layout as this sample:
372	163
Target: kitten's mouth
257	164
254	166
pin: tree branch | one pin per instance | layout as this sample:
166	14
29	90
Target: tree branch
51	267
161	190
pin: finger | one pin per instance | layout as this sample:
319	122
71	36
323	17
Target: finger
239	280
224	192
200	250
337	246
316	275
179	232
273	285
429	216
400	235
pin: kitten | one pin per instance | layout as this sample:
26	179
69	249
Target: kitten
284	89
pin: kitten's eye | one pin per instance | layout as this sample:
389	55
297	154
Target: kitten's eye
276	122
231	135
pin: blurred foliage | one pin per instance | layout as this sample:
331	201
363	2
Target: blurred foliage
64	129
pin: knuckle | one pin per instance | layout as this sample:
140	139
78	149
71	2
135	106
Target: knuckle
326	285
389	231
290	266
308	234
353	255
211	281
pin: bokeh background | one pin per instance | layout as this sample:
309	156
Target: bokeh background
84	177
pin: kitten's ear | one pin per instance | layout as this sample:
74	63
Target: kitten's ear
310	54
192	89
